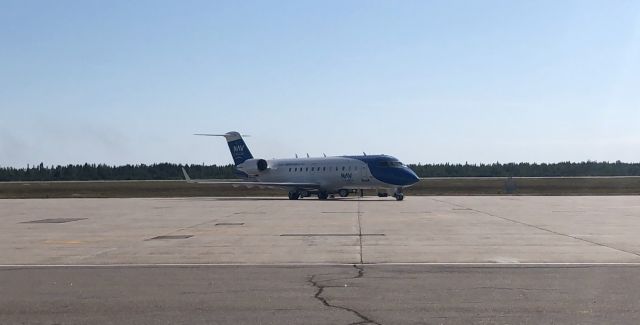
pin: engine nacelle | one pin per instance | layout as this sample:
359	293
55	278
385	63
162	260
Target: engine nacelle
254	166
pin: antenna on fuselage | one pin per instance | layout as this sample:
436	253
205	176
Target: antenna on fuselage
364	153
296	155
308	155
324	154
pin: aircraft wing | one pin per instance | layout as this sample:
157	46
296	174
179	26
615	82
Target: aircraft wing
309	186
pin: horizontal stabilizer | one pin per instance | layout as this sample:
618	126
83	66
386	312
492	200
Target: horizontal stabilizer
218	135
239	150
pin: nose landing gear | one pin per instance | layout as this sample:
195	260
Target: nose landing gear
398	194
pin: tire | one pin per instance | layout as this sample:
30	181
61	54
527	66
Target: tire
322	195
294	195
399	197
343	192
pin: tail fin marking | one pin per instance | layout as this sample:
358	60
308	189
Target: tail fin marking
239	150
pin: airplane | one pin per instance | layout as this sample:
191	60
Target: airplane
323	176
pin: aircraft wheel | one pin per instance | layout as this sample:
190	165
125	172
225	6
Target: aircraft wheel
399	197
294	195
343	192
322	195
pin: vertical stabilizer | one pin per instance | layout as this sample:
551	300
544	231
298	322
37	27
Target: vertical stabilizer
238	148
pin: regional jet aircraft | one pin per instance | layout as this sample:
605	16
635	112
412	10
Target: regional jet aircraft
323	176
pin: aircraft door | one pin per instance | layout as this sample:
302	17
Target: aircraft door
364	174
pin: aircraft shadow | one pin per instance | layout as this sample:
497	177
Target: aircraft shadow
275	199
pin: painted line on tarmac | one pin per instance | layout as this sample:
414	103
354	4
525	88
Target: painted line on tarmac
319	264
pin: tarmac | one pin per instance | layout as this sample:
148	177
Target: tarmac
426	260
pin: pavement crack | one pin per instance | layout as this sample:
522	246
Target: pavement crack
360	269
199	224
321	289
512	289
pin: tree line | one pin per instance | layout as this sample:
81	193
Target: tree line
99	172
561	169
170	171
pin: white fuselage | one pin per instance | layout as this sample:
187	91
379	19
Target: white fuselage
331	173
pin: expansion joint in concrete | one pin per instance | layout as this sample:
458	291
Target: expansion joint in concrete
360	232
541	228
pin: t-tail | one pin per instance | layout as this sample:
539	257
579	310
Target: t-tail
239	150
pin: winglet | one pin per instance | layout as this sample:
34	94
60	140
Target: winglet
186	176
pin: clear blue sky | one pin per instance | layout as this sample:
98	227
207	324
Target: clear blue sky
427	81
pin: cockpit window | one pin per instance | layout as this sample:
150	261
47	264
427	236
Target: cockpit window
390	164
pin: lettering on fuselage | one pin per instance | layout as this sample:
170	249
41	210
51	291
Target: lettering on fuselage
346	175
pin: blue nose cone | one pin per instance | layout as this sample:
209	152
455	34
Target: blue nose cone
412	178
404	177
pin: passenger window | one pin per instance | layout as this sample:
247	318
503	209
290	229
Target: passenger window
289	169
343	168
324	169
306	169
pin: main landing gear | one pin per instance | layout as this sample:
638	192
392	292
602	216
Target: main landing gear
294	195
323	195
